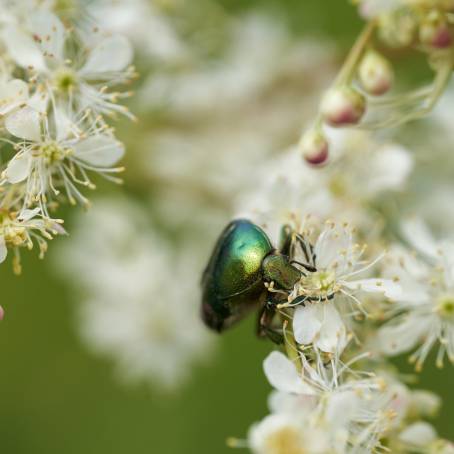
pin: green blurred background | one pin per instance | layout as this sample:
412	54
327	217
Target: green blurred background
57	398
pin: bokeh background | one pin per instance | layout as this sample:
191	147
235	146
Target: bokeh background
56	396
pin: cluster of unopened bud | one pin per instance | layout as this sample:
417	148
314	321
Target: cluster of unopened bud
345	105
422	23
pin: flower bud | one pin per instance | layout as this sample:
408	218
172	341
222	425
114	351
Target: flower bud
435	32
424	404
343	106
399	28
375	74
2	313
314	147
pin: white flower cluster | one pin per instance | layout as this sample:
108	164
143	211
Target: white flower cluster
57	71
323	407
139	295
186	168
355	305
372	285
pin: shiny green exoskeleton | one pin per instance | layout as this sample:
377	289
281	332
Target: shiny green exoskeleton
234	280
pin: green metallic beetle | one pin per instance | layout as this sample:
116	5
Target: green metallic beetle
233	282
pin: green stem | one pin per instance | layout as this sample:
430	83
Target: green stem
347	71
291	347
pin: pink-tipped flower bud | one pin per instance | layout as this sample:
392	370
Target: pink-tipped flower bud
314	147
343	106
435	32
375	74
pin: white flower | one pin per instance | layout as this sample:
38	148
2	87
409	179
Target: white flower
350	411
360	173
19	230
39	47
45	159
423	315
332	268
285	434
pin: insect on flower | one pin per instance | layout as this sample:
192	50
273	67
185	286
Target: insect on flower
245	272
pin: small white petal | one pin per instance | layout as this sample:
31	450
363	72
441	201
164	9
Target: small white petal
27	214
100	150
403	334
340	408
418	235
23	49
306	323
112	54
388	287
301	404
12	94
38	102
333	334
282	374
418	434
25	124
3	249
331	247
18	168
50	30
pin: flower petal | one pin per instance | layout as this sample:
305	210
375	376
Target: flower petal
25	124
112	54
51	32
282	375
332	247
333	334
3	249
38	102
22	49
418	434
27	214
18	168
402	334
388	287
306	323
418	235
12	94
99	150
341	407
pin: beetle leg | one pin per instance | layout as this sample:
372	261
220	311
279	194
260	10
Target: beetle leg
286	241
265	319
307	267
307	248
